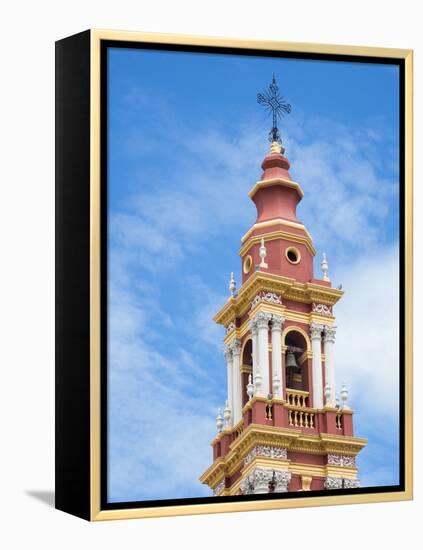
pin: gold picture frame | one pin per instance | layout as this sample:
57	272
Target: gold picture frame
85	501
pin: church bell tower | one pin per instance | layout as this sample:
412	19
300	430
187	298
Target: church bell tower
282	428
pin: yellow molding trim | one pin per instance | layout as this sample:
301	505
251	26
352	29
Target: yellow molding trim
294	328
262	462
288	314
276	221
282	182
287	287
302	468
290	438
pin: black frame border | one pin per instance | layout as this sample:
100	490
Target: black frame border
104	45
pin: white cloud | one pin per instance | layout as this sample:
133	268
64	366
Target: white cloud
367	351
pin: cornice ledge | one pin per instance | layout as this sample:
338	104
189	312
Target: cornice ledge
275	181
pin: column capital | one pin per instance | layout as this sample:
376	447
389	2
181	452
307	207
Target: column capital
333	482
277	322
282	479
228	353
351	483
253	326
235	347
260	479
262	319
316	330
330	332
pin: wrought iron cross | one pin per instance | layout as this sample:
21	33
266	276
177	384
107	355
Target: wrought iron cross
274	103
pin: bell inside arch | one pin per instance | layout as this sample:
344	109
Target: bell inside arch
290	360
294	379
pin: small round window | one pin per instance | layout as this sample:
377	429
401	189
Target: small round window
248	262
293	255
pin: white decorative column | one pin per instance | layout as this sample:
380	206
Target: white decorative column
254	339
236	381
316	347
263	349
329	340
278	377
229	370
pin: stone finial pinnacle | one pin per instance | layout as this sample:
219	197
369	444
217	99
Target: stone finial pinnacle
232	285
325	268
276	148
263	254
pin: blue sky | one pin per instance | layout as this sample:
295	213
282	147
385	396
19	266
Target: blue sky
186	140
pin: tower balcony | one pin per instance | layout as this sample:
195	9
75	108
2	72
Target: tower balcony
292	413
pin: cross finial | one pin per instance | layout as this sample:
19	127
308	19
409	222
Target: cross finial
276	105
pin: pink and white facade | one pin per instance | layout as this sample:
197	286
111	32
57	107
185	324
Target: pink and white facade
282	427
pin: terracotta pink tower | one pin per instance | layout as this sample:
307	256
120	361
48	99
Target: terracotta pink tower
282	427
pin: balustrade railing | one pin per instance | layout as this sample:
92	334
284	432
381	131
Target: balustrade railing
269	411
238	429
299	414
297	398
301	419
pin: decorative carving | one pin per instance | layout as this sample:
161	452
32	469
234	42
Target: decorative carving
219	488
263	319
253	327
341	460
261	477
351	483
281	480
247	486
277	322
236	347
316	331
333	482
258	482
230	328
228	353
323	309
267	452
330	334
269	297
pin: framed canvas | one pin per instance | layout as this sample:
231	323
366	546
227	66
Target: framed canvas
233	275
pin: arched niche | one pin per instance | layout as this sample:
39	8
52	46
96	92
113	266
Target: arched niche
297	372
246	367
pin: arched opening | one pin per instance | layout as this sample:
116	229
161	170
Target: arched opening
247	353
246	368
296	363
